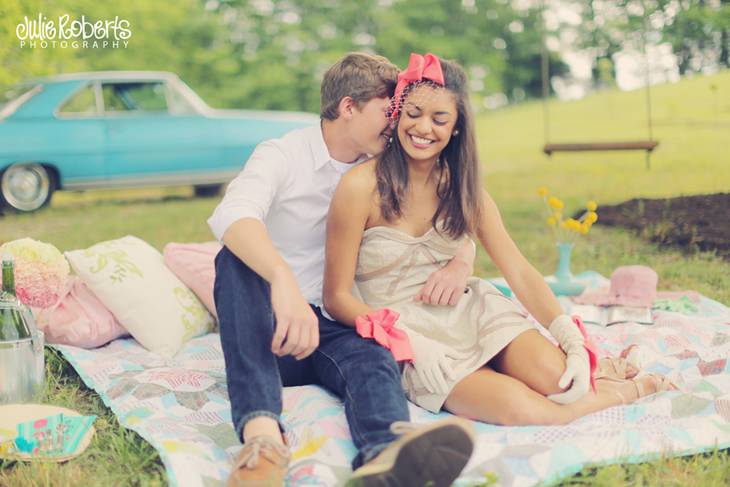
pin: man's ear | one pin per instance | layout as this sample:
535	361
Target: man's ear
347	107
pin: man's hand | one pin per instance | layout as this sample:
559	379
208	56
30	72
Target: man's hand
297	327
446	285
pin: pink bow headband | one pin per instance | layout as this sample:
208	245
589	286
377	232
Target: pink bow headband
419	68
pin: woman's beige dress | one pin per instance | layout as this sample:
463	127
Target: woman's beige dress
393	266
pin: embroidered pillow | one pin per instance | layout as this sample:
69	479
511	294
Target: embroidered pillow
129	276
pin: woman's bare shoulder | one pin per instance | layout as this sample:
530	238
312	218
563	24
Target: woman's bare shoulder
360	179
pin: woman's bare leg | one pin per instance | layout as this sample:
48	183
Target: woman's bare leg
533	360
493	397
512	390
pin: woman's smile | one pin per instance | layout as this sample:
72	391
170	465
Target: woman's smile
420	142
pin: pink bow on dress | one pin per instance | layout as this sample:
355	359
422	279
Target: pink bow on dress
419	68
380	326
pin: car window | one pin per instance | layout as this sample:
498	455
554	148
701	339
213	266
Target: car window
134	97
179	104
81	102
12	98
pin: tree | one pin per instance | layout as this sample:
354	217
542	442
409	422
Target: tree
19	63
272	54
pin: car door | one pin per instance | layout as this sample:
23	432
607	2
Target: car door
146	143
76	138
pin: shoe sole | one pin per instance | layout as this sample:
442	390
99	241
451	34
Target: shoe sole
434	458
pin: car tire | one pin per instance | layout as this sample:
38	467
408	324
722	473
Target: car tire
207	190
26	187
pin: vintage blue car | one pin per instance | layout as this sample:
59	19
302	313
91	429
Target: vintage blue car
122	129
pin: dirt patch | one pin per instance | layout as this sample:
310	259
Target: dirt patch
699	222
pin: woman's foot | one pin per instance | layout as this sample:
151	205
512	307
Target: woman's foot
631	390
615	368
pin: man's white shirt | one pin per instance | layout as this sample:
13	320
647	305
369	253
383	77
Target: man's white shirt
287	184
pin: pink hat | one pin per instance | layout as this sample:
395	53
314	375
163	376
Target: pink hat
631	285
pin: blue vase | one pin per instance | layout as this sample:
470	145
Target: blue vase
565	284
563	273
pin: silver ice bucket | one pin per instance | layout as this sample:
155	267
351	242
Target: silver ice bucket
22	367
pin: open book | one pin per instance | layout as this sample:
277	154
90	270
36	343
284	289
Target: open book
612	315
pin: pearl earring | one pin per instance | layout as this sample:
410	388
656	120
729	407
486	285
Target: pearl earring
456	132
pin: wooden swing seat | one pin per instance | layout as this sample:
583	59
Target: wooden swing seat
647	145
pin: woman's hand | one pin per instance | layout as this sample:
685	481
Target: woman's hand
577	369
430	363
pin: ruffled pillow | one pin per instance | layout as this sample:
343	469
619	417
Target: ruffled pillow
78	318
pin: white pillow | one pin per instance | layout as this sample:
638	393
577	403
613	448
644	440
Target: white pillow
130	277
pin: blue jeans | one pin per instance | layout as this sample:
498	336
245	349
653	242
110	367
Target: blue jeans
360	372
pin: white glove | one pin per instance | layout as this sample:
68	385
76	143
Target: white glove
577	366
430	363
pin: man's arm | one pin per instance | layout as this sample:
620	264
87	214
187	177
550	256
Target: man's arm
446	285
295	321
237	222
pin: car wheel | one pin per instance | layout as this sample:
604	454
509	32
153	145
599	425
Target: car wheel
207	190
26	187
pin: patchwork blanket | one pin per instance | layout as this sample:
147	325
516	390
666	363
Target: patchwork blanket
181	407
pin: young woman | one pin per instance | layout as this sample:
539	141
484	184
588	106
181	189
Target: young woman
395	219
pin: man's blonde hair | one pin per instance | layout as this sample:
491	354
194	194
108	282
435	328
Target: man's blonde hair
358	75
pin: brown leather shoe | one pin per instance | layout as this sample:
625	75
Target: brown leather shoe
425	455
262	462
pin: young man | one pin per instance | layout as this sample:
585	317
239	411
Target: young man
268	294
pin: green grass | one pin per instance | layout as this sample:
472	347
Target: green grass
116	456
692	121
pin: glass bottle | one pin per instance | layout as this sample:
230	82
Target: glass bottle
13	325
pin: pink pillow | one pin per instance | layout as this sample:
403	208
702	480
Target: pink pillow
78	318
194	265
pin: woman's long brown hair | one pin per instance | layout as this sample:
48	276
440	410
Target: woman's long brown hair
459	184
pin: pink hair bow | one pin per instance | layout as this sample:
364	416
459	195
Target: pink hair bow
419	68
380	326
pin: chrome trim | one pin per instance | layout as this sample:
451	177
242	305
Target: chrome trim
153	180
100	75
78	115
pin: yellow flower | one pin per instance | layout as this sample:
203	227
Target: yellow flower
542	191
573	224
592	217
591	206
555	203
584	228
551	221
